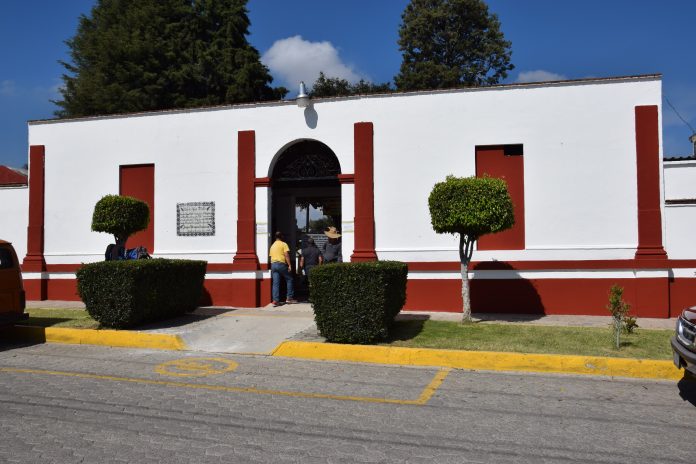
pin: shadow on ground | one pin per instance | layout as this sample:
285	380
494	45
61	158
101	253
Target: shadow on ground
200	314
687	388
7	345
63	322
407	327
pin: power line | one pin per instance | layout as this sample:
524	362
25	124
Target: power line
680	116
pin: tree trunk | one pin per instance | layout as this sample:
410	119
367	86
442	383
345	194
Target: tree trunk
466	249
466	300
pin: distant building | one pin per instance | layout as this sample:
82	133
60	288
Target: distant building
13	177
582	159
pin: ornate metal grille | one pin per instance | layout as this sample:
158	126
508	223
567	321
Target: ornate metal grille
307	160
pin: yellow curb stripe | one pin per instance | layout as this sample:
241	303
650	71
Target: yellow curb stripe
482	360
115	338
422	399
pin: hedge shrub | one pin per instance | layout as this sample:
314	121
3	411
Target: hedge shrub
357	302
122	294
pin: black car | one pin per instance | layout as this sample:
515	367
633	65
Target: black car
683	342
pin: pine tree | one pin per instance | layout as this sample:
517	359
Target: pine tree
451	43
141	55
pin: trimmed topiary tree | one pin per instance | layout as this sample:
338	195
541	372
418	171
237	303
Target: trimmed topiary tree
125	293
120	216
470	207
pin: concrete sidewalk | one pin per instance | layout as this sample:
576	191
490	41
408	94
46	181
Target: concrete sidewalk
238	330
261	330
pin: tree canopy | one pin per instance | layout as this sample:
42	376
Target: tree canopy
451	43
472	206
337	87
140	55
121	216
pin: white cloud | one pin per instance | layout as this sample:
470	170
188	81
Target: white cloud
294	59
8	88
540	75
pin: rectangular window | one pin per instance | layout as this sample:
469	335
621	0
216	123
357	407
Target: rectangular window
505	162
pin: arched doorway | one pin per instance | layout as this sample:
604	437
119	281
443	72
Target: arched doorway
305	197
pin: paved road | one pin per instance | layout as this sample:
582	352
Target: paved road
68	404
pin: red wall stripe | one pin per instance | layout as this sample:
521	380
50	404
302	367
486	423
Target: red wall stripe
650	297
682	295
540	296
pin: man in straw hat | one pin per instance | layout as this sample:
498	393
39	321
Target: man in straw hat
332	248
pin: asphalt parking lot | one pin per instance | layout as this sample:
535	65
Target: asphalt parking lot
67	403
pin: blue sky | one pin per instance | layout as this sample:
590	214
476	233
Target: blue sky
357	39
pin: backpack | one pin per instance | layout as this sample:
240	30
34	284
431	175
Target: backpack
137	253
114	252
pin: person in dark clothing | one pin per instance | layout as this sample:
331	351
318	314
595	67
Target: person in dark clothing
311	256
332	248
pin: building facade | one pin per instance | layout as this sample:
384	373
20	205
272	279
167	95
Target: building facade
582	159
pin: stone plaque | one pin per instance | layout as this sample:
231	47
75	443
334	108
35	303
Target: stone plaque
195	219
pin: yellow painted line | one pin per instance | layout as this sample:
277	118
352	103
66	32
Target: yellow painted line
482	360
432	387
423	398
196	367
116	338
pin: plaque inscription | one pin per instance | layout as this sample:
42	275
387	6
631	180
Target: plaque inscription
195	219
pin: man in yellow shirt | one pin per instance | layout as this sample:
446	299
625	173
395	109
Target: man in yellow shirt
280	267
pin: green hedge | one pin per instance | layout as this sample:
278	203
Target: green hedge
357	302
122	294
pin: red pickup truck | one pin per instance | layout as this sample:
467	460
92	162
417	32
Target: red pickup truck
684	341
12	298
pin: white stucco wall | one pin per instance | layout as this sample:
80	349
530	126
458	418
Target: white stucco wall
579	166
14	217
680	241
680	219
680	180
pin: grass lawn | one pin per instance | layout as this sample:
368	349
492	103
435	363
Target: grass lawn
521	338
66	318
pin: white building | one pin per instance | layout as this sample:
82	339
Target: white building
583	161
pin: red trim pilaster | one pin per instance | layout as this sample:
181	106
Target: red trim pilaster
346	178
262	182
364	193
245	258
648	176
34	260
